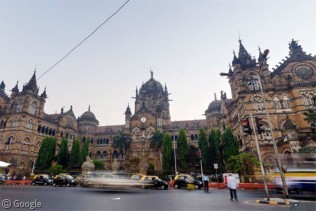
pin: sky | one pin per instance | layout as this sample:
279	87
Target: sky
186	43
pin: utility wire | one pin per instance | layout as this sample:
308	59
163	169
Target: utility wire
84	40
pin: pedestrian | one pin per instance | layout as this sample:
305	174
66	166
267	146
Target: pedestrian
232	185
205	181
225	182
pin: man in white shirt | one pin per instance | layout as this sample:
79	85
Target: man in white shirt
232	185
205	181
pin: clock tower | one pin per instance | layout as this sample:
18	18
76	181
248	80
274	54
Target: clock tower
151	114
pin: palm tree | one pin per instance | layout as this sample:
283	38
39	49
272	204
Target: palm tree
156	143
123	143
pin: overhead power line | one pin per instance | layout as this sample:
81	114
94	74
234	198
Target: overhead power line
94	31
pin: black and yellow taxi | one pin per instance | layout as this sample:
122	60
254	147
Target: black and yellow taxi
42	179
186	180
64	179
154	182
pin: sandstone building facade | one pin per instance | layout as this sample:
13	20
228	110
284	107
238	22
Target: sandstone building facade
287	90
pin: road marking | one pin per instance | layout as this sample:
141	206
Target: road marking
116	198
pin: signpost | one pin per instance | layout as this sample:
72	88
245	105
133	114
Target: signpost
216	167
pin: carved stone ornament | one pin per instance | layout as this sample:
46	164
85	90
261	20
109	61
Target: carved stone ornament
304	72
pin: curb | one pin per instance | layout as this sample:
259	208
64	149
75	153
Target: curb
273	202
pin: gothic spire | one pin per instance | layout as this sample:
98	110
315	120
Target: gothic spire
32	84
244	57
2	85
128	110
260	59
44	95
16	88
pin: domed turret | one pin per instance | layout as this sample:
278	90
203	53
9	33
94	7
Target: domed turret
88	116
152	86
213	106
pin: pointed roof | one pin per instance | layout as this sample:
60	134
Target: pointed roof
16	88
31	85
128	110
2	85
44	95
296	54
260	58
244	57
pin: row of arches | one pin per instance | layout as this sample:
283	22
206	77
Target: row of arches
105	155
46	130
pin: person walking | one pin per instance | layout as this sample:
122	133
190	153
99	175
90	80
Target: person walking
232	185
205	181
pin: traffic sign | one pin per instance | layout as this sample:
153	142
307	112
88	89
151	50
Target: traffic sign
215	166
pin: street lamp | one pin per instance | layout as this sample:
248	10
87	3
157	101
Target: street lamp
265	54
174	152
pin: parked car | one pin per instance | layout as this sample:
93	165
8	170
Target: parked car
63	179
42	179
183	180
154	181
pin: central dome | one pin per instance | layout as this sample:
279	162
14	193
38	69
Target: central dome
213	106
88	116
152	86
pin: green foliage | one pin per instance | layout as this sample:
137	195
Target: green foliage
243	164
84	151
156	140
98	164
229	144
214	151
75	154
182	150
56	169
62	158
167	152
123	143
203	145
307	150
193	158
151	167
46	154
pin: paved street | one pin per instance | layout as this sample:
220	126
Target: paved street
76	198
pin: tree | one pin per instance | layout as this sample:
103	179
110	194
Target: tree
75	154
182	150
123	143
193	157
46	154
214	151
243	164
167	152
62	158
84	151
98	164
229	144
156	143
204	148
56	169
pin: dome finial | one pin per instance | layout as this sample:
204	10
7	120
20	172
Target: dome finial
89	108
215	96
151	73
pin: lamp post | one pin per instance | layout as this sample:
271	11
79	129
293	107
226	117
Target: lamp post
276	153
174	152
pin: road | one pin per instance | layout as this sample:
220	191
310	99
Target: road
77	198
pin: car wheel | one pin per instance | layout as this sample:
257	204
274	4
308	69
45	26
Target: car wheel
68	184
176	186
162	187
45	183
75	185
196	187
33	183
54	184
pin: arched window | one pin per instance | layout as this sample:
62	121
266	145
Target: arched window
286	102
43	129
10	141
39	128
192	137
196	136
276	103
98	154
15	122
107	141
104	154
32	108
29	125
115	154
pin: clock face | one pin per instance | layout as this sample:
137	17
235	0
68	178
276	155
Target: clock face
304	72
143	119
